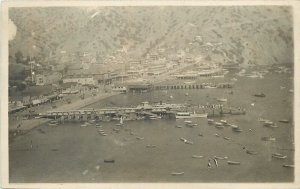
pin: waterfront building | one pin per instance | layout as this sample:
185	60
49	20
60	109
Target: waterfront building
48	79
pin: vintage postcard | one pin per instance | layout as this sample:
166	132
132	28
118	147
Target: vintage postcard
182	94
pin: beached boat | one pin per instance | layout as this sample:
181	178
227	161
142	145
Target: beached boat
177	173
233	163
186	115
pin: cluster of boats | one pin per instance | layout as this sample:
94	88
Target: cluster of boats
224	123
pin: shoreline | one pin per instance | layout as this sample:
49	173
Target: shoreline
32	123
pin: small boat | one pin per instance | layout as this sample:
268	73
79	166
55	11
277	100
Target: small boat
189	142
218	124
278	156
150	146
234	126
237	130
116	130
140	138
100	130
178	126
224	122
187	121
183	139
259	95
109	161
177	173
233	163
103	134
262	120
289	166
227	138
83	125
217	135
197	157
268	138
251	152
222	99
220	158
185	115
284	121
210	121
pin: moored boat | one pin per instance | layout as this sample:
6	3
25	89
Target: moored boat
251	152
233	163
222	99
268	138
284	121
289	166
196	156
259	95
185	115
177	173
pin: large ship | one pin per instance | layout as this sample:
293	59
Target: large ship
184	115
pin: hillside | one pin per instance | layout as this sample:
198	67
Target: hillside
245	35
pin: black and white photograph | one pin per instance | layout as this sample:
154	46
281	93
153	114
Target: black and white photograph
150	94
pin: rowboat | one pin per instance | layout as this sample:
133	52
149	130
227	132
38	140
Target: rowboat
233	162
289	166
109	161
278	156
177	173
150	146
221	158
237	129
251	152
268	138
197	157
284	121
219	126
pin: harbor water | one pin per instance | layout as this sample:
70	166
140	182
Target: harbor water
151	150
